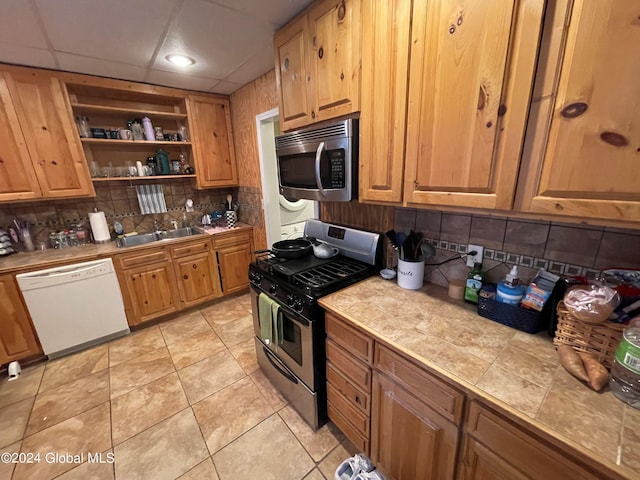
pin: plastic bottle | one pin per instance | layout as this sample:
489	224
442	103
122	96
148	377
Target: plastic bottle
509	290
512	279
625	371
474	283
149	133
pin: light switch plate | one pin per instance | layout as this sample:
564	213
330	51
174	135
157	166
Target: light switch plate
477	258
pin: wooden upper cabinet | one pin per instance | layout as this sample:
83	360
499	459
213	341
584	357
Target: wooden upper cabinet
17	337
215	159
470	81
291	58
44	113
17	177
334	28
317	60
590	165
385	55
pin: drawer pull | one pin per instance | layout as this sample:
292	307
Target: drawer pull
358	401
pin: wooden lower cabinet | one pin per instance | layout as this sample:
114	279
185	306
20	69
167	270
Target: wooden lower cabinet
409	440
496	448
416	424
17	336
349	354
197	278
151	290
234	253
156	281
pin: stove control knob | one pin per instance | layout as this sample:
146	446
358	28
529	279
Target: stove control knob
297	306
254	278
273	289
290	300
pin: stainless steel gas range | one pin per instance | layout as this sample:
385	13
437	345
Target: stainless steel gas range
294	358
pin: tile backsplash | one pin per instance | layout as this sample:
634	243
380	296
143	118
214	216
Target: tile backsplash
558	247
120	203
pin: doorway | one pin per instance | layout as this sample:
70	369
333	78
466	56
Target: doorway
284	217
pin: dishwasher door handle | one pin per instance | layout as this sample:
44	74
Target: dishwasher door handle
59	272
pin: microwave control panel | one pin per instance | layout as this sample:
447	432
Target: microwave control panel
337	166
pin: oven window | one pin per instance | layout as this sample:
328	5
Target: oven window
291	339
298	171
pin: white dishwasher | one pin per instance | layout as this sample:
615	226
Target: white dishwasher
75	306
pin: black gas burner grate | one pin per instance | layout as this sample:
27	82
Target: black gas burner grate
328	274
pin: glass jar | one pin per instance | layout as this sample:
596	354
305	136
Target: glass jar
159	133
183	131
82	123
72	238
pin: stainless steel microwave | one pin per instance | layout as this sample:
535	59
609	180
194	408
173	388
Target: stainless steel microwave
320	162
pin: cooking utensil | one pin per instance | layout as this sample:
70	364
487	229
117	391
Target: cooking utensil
391	235
294	248
229	204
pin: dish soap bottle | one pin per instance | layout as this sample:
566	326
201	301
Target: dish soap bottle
474	283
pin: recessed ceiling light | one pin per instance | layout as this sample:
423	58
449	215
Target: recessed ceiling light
180	60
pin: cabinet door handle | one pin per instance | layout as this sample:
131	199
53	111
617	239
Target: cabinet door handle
358	401
186	277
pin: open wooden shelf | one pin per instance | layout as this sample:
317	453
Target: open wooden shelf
117	142
136	178
89	108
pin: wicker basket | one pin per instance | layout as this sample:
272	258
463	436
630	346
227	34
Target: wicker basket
600	340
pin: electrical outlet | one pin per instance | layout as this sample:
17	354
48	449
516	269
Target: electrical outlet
477	258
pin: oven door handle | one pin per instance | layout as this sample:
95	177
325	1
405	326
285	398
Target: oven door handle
287	375
318	179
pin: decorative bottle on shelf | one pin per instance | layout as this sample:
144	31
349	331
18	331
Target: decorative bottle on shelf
149	132
162	158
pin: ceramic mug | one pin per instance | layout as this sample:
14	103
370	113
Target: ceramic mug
125	134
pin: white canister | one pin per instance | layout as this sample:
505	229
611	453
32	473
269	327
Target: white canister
410	274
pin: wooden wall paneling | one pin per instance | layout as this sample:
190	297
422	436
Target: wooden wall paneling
248	101
378	218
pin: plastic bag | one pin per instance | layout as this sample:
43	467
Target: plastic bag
591	303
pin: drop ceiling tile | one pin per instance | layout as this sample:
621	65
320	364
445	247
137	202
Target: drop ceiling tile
180	80
277	12
219	39
257	65
119	30
34	57
225	88
19	25
104	68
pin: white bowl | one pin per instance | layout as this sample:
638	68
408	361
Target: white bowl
388	274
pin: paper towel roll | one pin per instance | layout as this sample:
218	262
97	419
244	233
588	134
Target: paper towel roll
99	227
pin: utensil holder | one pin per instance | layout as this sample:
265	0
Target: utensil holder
410	274
231	218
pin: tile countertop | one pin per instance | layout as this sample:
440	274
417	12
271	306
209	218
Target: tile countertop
51	257
516	371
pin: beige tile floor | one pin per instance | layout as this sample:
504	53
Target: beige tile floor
182	399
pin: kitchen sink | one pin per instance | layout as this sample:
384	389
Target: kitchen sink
177	233
141	239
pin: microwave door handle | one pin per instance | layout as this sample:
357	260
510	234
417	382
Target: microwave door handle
318	179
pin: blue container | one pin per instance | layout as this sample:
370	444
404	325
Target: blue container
509	295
